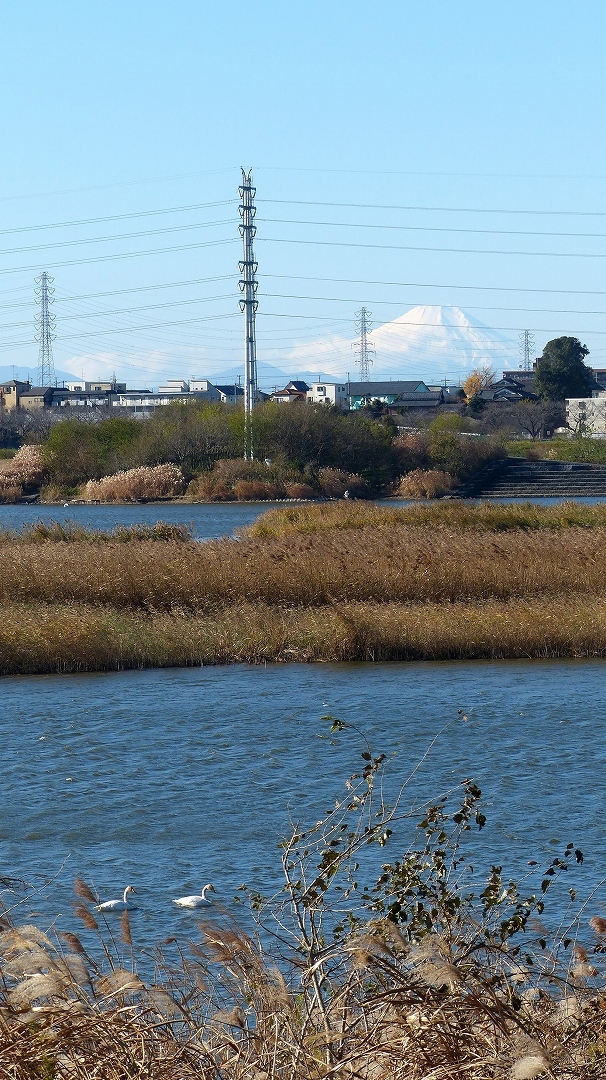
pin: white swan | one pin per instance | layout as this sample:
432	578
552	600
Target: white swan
118	905
195	901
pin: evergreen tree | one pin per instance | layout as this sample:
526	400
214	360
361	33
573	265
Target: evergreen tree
562	371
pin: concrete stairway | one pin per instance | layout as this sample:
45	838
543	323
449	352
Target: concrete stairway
517	478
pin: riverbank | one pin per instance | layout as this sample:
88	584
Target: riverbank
37	639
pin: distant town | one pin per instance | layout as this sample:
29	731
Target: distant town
394	396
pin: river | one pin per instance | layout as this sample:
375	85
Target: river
208	521
169	779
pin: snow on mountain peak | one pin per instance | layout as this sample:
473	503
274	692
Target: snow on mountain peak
429	342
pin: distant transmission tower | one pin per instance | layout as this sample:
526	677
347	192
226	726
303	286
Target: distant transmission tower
526	348
45	329
248	304
363	346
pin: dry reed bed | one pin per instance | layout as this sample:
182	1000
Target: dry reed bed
430	1012
403	564
457	515
42	638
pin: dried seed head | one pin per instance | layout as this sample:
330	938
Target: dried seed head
125	928
73	942
83	890
598	924
86	917
529	1066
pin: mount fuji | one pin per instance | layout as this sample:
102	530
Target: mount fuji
429	342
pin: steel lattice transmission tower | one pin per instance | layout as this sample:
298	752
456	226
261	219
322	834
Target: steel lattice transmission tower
45	329
526	348
248	304
363	346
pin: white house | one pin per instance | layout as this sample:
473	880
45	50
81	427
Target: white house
587	416
325	393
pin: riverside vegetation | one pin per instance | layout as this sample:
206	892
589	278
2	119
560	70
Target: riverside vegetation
367	965
349	581
301	452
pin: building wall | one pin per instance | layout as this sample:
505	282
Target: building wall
325	393
587	416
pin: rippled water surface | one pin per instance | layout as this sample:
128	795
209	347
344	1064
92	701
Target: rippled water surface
169	779
207	520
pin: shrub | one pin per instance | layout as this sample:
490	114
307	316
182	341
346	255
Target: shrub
146	482
334	483
246	480
257	490
425	484
300	491
26	469
411	451
10	490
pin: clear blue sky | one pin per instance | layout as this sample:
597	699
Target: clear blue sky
123	108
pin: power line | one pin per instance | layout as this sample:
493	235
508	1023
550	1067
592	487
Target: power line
395	303
123	255
430	228
436	209
117	217
455	251
118	236
434	285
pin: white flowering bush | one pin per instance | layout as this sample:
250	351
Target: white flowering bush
25	469
131	485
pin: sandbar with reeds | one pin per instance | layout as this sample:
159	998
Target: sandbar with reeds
309	583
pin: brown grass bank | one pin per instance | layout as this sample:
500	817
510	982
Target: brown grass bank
381	584
71	638
405	564
456	514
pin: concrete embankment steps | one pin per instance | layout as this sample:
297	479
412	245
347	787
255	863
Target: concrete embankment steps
517	478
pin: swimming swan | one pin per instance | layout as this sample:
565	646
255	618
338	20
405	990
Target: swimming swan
118	905
195	901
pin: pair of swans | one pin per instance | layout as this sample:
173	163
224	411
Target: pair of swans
183	901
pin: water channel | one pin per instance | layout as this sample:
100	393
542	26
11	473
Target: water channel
169	779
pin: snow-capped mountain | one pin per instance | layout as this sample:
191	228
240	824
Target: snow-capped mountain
429	342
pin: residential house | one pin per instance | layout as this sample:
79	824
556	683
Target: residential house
587	416
296	390
508	389
327	393
10	393
388	391
404	402
36	397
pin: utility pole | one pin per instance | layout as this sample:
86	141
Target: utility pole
363	346
45	329
248	304
526	340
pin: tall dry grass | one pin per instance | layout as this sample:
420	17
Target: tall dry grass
43	638
377	587
21	473
146	482
53	532
404	564
424	484
457	515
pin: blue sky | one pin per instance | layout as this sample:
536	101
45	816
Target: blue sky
119	110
